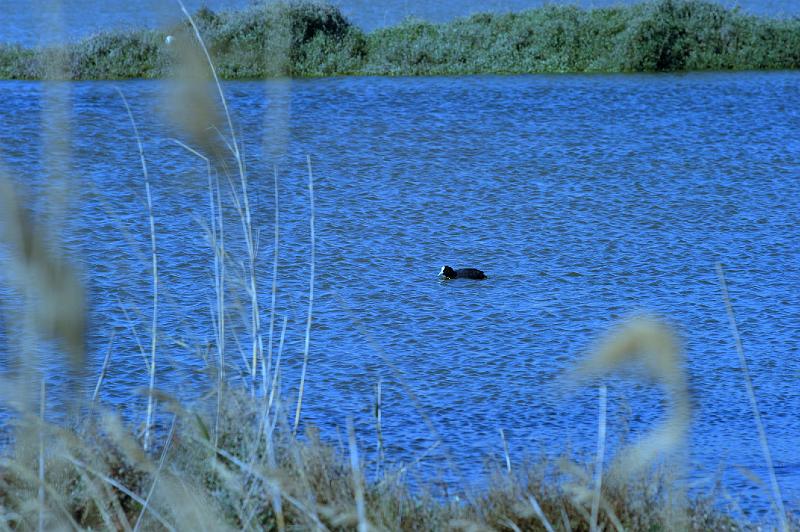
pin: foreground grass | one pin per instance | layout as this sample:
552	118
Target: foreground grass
98	476
317	40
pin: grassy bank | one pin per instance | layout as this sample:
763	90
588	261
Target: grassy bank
99	477
306	39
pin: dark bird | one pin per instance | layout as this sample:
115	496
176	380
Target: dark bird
462	273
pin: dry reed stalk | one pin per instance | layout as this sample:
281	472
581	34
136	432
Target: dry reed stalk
505	451
133	331
379	424
252	253
100	498
420	457
268	369
275	392
358	488
161	463
257	344
511	524
310	300
777	497
598	462
153	331
119	486
564	517
269	429
275	385
261	431
217	241
219	286
100	378
539	513
255	313
274	396
41	494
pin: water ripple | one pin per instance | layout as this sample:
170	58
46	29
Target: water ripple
584	198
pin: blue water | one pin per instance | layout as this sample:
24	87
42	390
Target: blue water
49	21
584	198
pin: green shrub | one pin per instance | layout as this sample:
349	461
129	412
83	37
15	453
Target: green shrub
298	39
117	56
310	39
674	35
17	62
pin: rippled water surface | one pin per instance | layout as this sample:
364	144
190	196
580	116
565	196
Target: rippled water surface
584	198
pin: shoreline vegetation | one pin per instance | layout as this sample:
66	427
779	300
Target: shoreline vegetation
304	39
228	471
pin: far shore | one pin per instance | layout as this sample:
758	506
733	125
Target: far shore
303	39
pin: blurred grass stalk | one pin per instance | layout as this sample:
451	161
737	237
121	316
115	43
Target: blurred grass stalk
777	498
601	451
653	346
53	299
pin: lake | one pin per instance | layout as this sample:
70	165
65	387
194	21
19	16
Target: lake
585	198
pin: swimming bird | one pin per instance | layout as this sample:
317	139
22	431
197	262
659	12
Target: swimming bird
462	273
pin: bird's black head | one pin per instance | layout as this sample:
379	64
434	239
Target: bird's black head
448	272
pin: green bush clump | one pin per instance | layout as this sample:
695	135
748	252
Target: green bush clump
17	62
301	39
666	35
117	56
298	39
550	39
694	35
